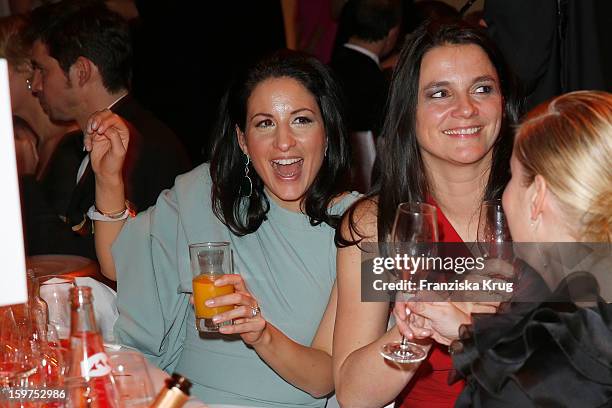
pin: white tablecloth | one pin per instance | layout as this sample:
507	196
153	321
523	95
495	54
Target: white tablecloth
104	304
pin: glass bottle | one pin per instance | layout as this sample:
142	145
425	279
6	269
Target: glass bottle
174	394
88	360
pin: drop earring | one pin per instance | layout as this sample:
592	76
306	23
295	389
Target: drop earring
534	224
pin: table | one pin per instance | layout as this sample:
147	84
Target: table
67	265
158	376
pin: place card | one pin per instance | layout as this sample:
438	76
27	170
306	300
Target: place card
13	287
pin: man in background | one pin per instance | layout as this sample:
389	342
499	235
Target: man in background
82	60
373	26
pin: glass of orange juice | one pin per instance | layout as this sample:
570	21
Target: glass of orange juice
209	261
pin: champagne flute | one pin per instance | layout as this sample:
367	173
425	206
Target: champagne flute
494	240
414	230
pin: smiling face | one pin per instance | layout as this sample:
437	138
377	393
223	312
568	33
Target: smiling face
285	137
459	108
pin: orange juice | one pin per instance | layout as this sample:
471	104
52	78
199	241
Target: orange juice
204	289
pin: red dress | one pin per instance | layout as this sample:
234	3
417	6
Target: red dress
429	387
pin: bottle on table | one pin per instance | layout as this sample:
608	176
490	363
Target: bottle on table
174	394
89	379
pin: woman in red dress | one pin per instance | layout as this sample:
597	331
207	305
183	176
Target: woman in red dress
446	140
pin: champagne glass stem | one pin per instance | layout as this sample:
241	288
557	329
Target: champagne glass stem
404	350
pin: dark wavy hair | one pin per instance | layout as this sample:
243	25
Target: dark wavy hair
74	28
399	170
244	215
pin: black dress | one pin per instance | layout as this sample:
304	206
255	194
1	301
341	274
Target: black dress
549	354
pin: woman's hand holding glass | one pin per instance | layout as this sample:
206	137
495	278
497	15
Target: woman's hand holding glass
439	321
246	316
415	229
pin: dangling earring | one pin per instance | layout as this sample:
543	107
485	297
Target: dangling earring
247	183
534	227
534	224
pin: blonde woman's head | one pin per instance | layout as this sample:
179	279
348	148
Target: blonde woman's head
568	142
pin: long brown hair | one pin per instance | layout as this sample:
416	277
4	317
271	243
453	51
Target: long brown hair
399	168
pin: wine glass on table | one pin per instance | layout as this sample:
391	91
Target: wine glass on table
415	229
18	352
52	362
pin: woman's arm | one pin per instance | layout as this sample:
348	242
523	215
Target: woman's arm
362	376
106	140
108	195
309	368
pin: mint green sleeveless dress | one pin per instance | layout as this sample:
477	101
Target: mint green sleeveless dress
288	265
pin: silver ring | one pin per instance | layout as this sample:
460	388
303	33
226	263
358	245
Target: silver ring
255	311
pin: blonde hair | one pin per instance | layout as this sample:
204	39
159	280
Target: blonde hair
12	45
568	141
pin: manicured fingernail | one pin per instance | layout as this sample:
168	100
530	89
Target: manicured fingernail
408	311
216	319
209	302
424	333
223	329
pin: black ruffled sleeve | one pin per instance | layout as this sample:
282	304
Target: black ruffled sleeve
552	354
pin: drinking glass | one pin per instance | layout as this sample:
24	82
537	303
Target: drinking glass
493	235
415	229
55	291
209	261
18	350
38	307
132	378
53	358
81	394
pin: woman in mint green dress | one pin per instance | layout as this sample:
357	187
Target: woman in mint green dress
273	190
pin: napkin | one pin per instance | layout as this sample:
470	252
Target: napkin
104	305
